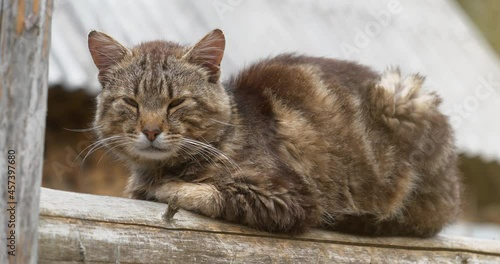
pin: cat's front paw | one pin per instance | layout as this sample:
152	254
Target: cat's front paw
197	197
166	192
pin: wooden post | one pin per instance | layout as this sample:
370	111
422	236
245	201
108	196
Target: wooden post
24	54
84	228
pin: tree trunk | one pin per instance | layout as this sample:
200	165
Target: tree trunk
24	54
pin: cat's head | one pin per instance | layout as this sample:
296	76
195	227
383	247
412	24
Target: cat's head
159	98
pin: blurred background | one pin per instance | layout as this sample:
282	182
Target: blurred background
454	43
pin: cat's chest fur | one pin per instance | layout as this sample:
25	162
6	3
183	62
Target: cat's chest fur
148	179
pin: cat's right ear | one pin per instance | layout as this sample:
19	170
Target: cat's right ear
105	51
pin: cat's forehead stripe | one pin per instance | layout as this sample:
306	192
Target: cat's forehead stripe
170	91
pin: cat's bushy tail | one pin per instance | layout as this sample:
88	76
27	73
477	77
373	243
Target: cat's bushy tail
400	102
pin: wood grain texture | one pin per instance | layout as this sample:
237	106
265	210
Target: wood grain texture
24	34
97	229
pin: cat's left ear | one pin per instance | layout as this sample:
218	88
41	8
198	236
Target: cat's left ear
106	51
208	53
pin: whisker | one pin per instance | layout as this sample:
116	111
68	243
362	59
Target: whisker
185	151
82	129
224	123
96	146
203	148
101	141
218	152
122	143
204	155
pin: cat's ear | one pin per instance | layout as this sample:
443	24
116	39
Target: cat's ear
208	53
105	50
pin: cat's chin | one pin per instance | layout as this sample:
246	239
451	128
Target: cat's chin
154	154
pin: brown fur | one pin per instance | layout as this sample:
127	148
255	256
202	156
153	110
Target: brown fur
289	143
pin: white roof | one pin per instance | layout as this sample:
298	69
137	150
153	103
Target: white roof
432	37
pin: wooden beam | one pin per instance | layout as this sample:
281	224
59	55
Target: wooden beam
24	55
97	229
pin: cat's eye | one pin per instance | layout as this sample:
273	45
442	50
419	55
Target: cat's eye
176	102
130	102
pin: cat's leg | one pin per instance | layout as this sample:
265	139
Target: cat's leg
284	209
197	197
401	210
274	209
420	218
421	209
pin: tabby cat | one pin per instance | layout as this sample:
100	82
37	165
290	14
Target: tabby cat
289	143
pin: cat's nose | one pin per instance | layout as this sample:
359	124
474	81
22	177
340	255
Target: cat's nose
151	134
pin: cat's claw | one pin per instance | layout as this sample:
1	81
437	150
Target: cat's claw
172	209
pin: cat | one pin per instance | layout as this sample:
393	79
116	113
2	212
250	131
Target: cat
290	143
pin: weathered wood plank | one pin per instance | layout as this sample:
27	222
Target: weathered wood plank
96	229
24	48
